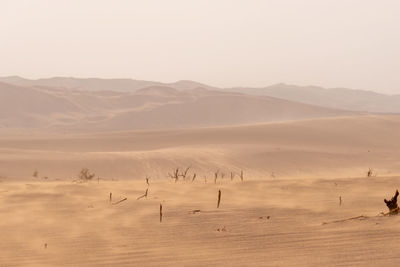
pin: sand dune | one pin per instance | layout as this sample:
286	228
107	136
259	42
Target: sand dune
297	162
154	107
334	98
336	147
285	212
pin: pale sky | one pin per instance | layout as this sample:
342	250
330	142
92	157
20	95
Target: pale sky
331	43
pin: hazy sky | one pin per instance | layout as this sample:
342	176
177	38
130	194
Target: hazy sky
347	43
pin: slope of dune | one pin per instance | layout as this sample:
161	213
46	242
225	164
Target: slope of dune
217	110
336	147
28	107
154	107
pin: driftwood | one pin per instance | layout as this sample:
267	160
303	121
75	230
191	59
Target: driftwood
392	204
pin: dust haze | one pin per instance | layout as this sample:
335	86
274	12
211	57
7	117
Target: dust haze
199	133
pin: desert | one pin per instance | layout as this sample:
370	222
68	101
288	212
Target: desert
292	193
199	133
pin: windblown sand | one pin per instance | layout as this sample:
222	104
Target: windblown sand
259	223
286	212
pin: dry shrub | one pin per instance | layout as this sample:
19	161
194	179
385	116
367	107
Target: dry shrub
85	175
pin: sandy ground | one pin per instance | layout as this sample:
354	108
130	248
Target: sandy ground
259	223
295	174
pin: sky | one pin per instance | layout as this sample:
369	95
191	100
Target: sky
225	43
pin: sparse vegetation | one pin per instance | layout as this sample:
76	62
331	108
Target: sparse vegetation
174	175
86	175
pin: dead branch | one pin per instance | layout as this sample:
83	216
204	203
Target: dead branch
145	195
122	200
361	217
174	175
216	176
184	173
219	198
194	211
392	204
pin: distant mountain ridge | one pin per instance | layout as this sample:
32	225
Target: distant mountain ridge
336	98
98	84
340	98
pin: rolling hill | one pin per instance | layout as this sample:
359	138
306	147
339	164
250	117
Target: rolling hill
154	107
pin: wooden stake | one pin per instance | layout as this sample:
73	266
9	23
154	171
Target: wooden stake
160	212
110	197
219	198
340	200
